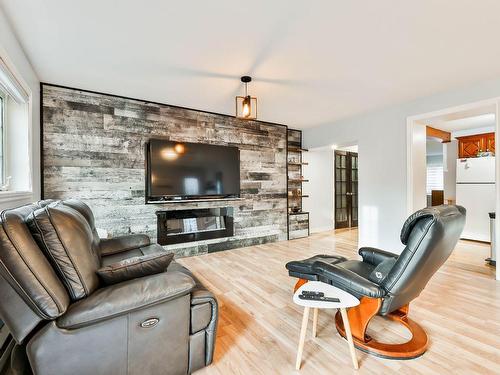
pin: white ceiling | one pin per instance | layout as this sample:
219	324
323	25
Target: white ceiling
474	122
312	62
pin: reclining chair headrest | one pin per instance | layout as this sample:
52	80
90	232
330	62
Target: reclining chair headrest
429	212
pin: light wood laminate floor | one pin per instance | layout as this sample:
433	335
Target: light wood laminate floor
259	324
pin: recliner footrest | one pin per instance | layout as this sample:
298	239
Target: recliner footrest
303	269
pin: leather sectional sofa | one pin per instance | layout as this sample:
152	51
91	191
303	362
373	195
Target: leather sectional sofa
66	322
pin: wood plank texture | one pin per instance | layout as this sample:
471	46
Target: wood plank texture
93	148
259	324
444	136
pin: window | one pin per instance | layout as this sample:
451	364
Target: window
434	178
15	169
3	104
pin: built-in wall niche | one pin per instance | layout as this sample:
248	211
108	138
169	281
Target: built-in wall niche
298	220
194	225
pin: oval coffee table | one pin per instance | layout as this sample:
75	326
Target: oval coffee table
346	300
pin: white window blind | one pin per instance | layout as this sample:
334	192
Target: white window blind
434	178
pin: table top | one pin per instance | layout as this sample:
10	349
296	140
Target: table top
346	299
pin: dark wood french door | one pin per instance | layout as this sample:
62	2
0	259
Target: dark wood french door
346	189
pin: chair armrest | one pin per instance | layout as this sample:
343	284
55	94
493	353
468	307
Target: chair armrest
123	243
375	256
122	298
347	280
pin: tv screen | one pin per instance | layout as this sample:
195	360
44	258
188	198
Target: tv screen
192	170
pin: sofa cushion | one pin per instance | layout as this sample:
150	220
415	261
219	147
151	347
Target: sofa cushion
67	240
135	267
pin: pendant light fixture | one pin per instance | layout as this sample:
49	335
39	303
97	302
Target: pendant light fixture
246	106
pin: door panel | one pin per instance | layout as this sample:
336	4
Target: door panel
346	189
341	208
490	142
353	158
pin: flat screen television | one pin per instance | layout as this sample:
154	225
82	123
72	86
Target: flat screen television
180	170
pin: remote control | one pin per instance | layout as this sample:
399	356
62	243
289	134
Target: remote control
312	293
314	298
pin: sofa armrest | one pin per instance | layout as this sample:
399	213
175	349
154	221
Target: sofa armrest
122	298
204	318
375	256
123	243
347	280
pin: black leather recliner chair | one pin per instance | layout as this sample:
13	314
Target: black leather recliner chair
385	282
159	324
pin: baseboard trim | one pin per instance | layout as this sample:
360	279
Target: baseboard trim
321	229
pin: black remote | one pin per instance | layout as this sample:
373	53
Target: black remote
314	298
312	293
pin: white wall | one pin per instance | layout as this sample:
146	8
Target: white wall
450	169
24	143
381	137
319	172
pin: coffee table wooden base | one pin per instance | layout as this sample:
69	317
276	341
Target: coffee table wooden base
303	331
350	342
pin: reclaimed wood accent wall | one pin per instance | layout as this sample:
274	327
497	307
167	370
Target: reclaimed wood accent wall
93	149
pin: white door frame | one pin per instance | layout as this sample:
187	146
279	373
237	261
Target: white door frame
415	154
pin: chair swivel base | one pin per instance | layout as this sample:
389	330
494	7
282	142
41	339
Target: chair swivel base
413	348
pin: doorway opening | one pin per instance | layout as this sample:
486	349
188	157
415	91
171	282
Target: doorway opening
346	187
451	160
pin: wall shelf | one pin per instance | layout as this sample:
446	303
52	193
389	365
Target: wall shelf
298	222
297	149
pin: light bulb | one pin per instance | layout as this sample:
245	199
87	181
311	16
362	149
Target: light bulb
246	110
169	153
179	148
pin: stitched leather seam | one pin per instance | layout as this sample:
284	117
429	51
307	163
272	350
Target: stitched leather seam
128	339
11	277
49	253
16	246
412	254
131	247
67	253
139	262
180	293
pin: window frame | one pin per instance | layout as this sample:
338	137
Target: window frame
3	119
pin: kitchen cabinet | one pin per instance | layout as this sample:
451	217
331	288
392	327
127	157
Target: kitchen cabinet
469	146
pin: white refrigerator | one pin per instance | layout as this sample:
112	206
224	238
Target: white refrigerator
476	192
